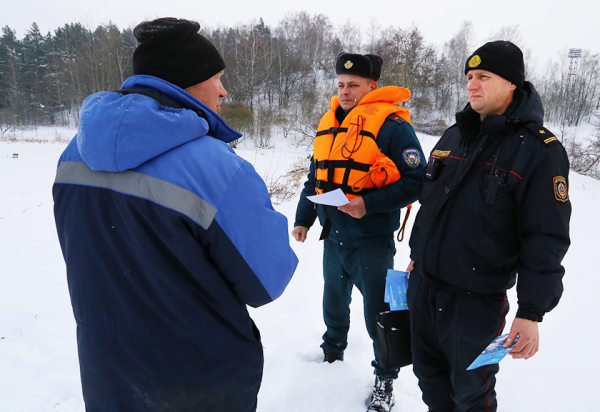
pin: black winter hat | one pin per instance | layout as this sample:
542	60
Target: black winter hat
500	57
363	65
173	50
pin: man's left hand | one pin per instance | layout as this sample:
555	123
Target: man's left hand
529	338
356	208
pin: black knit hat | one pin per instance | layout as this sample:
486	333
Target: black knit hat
363	65
173	50
500	57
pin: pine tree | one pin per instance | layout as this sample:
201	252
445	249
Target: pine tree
34	69
11	93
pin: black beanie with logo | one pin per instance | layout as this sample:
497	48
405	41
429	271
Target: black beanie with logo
173	50
500	57
363	65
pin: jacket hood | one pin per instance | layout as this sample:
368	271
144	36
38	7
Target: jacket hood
119	132
528	108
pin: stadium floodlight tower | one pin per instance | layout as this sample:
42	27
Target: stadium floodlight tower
574	55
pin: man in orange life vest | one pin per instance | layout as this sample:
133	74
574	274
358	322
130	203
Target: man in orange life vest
365	146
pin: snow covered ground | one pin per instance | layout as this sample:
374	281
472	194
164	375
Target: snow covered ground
38	354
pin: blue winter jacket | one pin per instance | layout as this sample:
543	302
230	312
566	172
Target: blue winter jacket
167	235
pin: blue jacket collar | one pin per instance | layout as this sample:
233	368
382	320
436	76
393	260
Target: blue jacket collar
220	129
120	132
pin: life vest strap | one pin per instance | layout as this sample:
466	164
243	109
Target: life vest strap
400	236
336	130
332	130
343	164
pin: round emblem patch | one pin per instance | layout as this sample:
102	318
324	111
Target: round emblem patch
475	61
560	189
348	64
412	158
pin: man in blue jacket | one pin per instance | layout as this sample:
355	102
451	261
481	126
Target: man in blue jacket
167	236
365	123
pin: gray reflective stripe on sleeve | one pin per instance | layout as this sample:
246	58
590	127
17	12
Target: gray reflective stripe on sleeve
140	185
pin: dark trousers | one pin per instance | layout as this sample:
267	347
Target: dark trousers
366	268
450	328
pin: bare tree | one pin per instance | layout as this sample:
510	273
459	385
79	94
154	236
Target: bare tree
455	52
508	33
570	90
350	37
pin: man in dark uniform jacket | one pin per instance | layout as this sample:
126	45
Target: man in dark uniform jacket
494	205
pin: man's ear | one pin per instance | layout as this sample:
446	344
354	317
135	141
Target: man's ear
373	86
513	87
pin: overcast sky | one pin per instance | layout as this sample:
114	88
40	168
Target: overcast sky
548	27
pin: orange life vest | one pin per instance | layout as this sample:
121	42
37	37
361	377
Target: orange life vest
346	155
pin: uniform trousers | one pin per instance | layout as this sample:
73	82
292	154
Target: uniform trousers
366	268
449	329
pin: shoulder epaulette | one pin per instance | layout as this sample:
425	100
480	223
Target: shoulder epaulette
543	134
396	118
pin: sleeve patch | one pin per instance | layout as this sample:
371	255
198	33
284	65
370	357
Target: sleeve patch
412	158
560	189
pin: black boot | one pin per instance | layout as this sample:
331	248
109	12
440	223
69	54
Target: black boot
382	398
331	357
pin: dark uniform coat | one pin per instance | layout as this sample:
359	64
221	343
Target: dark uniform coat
494	206
497	207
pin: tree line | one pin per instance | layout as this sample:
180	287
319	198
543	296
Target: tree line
44	78
278	78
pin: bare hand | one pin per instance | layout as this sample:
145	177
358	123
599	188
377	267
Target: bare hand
411	266
299	233
356	208
529	338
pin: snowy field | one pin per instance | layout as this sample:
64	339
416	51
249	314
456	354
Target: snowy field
38	358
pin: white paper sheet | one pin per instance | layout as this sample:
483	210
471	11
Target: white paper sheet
334	198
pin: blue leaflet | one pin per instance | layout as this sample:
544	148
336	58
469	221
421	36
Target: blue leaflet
396	285
494	353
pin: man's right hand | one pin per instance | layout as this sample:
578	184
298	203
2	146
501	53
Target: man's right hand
529	339
299	233
411	266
